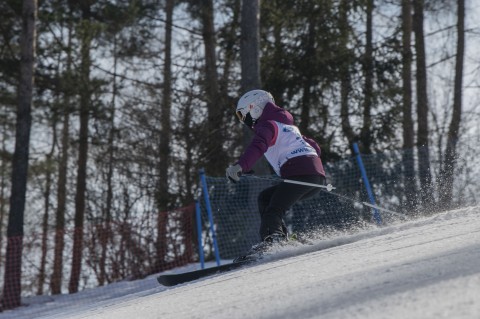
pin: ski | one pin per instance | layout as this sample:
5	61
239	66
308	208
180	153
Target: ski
255	255
176	279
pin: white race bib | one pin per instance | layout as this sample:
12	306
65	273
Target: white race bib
288	143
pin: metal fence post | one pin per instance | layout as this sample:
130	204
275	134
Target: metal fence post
376	214
209	213
199	233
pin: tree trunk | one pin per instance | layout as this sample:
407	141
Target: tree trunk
67	88
3	189
422	108
57	274
408	132
250	45
85	96
250	65
13	262
164	147
46	195
345	84
366	132
230	47
107	215
278	73
447	176
308	76
214	157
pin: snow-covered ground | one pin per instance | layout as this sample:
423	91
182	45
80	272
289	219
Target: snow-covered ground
427	268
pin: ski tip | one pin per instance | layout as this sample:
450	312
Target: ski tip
169	280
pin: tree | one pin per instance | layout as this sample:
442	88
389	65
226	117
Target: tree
344	72
422	107
86	35
13	261
408	131
250	45
368	69
47	167
448	163
250	64
67	91
214	157
276	68
165	134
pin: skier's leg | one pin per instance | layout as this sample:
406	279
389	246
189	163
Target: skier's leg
264	198
282	197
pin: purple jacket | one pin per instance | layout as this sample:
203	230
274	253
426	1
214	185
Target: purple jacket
264	137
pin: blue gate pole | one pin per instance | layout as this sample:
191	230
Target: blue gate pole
376	214
199	233
209	213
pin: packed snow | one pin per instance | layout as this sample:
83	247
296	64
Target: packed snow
428	268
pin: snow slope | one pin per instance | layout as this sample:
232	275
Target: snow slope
428	268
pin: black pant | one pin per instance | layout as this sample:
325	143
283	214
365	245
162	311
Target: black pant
274	201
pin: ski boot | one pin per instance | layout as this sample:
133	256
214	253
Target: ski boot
258	250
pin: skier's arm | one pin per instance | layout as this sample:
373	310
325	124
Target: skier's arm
264	137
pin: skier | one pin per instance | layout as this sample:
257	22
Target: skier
291	155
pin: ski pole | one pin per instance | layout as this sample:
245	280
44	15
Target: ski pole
384	210
329	189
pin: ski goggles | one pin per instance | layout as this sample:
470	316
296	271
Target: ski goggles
245	119
240	116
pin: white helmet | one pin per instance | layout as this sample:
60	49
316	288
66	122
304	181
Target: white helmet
251	104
